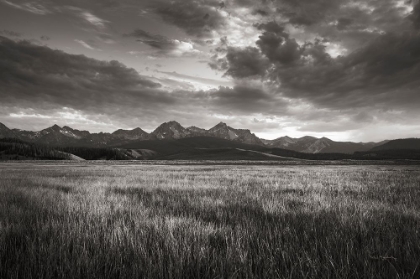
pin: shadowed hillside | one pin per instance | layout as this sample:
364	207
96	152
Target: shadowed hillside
412	143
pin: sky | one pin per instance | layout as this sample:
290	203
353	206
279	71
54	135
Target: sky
344	69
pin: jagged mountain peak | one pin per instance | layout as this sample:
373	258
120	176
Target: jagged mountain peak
67	136
74	133
134	134
222	130
172	123
53	129
220	126
170	130
5	132
3	127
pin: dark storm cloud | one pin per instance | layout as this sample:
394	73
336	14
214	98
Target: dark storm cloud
196	18
308	12
374	76
282	50
343	22
351	23
247	62
260	12
39	76
297	12
272	27
276	44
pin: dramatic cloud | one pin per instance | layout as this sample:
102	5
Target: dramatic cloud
245	63
373	76
276	45
46	82
53	78
324	67
308	12
197	18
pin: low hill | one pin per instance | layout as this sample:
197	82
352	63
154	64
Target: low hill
170	146
15	149
399	144
318	145
229	154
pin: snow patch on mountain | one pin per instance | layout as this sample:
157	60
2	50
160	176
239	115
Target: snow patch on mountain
232	134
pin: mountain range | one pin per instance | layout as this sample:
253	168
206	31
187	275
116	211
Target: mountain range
173	131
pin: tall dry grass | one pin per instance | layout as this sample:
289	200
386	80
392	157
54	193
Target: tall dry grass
89	221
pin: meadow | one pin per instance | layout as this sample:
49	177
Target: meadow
87	220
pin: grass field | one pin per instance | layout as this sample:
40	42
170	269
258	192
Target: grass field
167	221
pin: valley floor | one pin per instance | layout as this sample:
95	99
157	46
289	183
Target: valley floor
163	220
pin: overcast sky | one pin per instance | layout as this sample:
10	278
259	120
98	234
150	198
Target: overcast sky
344	69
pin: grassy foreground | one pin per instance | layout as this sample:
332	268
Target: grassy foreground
145	221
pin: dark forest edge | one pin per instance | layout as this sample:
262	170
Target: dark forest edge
200	148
